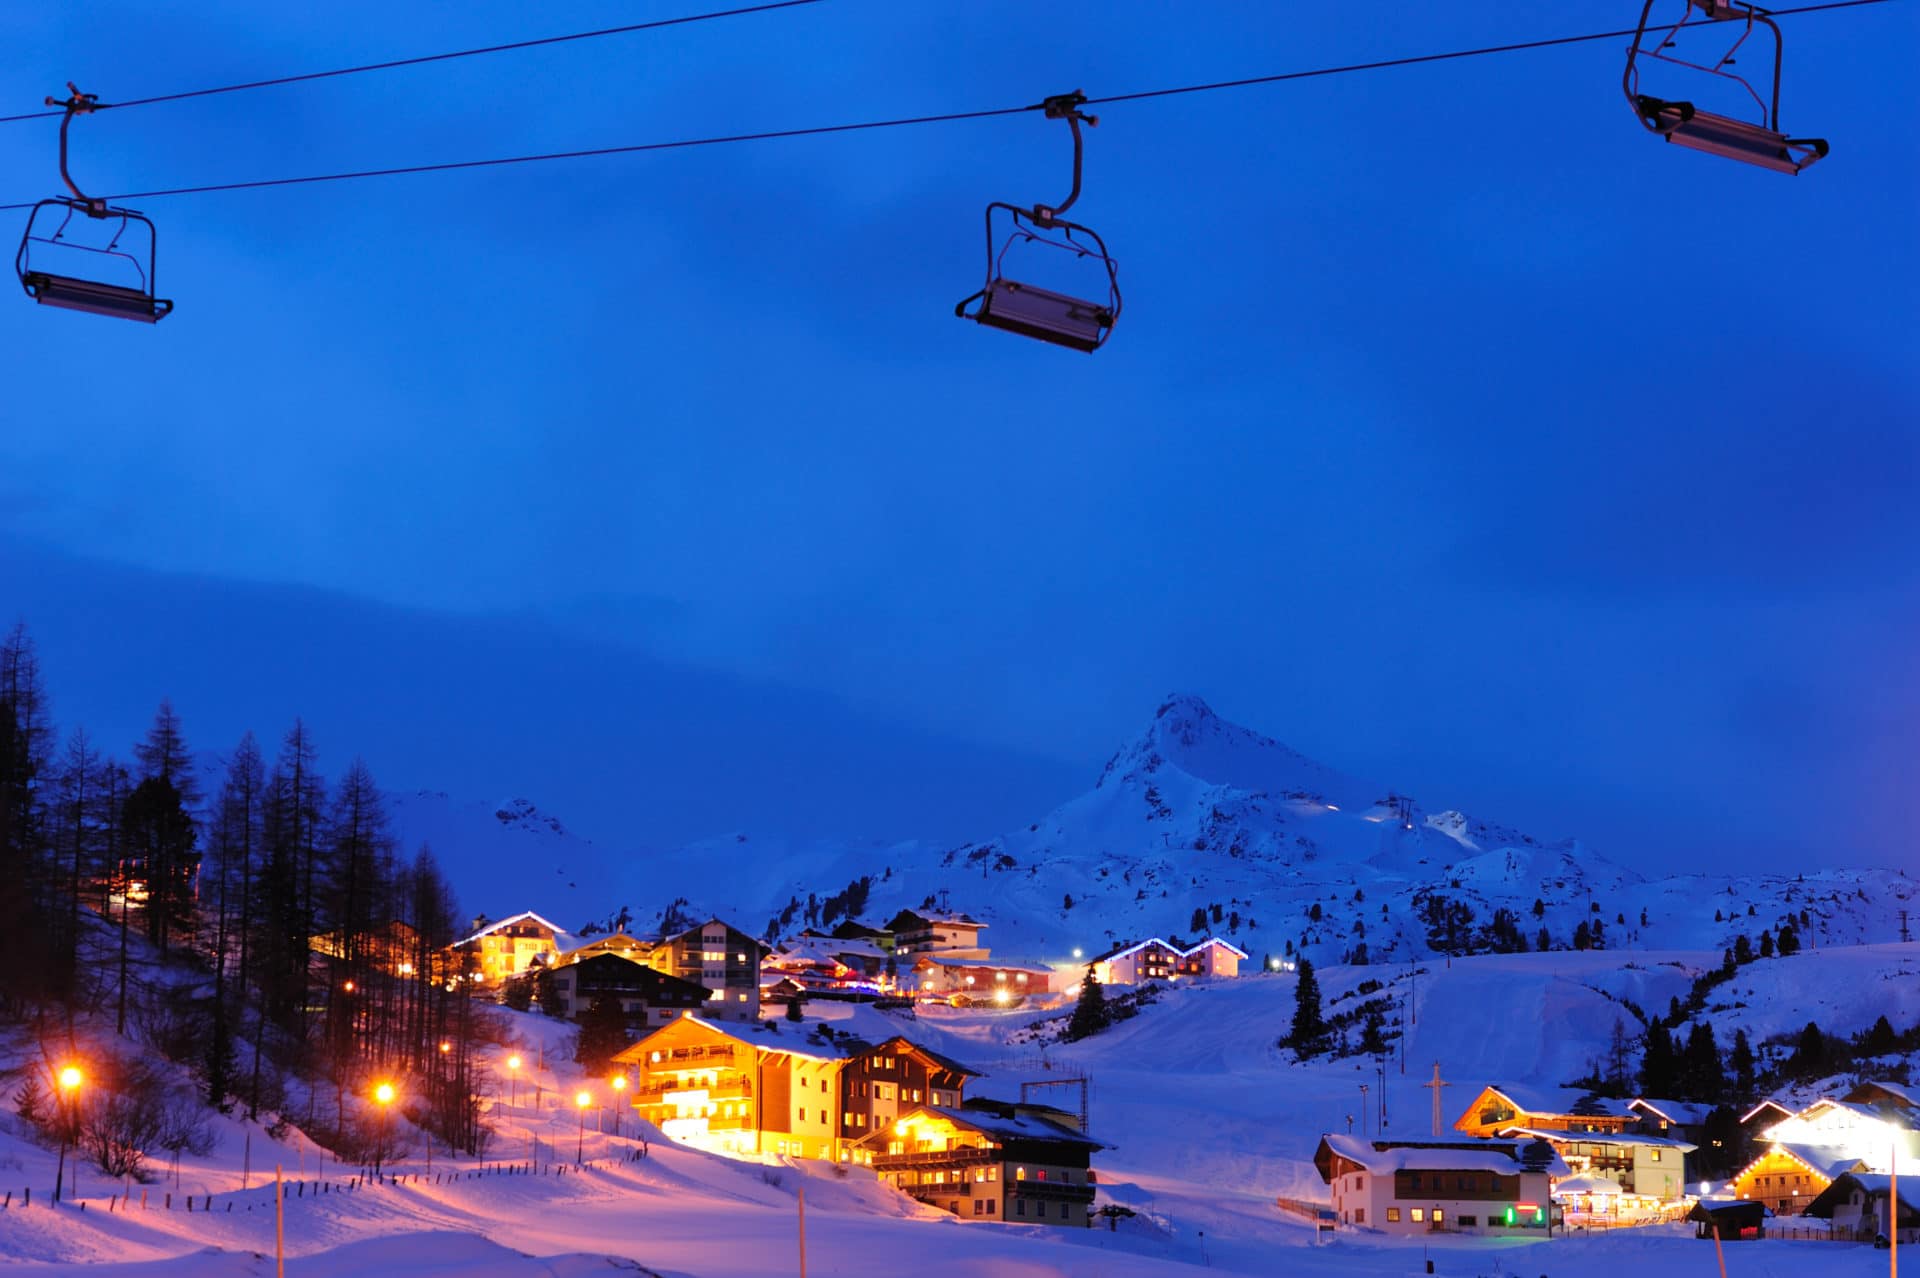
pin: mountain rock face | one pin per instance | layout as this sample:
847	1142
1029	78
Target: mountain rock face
1197	825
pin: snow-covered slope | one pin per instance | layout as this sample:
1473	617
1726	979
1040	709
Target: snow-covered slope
1194	814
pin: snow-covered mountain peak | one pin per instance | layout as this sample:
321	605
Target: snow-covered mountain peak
1185	735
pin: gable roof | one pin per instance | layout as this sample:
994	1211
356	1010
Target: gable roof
1558	1136
653	981
1383	1157
1769	1103
1683	1113
1556	1100
758	1035
1874	1186
557	931
1012	1126
1822	1160
1183	951
937	959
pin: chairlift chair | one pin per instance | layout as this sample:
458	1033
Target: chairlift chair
1028	309
1760	143
51	226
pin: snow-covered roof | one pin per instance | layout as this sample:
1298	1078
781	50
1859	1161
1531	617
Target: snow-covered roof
1595	1185
1384	1157
998	965
1827	1160
608	941
1560	1100
1557	1136
1684	1113
1769	1103
1121	951
524	914
759	1035
1010	1126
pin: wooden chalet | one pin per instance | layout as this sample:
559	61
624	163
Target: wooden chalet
1595	1136
965	981
1158	959
649	998
989	1160
878	937
1856	1205
1413	1187
882	1081
949	935
511	946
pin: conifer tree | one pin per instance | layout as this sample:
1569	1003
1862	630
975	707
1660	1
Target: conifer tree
1766	945
603	1034
1741	1059
1702	1077
1090	1014
1309	1029
1657	1065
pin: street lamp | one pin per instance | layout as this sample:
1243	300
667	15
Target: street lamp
513	1075
580	1102
619	1091
69	1079
384	1094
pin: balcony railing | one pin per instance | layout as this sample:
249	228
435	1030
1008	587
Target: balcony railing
935	1158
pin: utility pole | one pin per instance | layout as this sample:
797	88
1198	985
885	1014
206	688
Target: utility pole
1905	934
1436	1086
1363	1111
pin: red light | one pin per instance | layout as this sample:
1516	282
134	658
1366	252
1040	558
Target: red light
1527	1206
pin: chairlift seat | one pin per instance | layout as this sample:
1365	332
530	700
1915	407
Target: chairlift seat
1682	123
1037	312
94	297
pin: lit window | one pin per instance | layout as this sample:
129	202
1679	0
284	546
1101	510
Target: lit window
1021	977
1019	1173
1439	1215
1418	1214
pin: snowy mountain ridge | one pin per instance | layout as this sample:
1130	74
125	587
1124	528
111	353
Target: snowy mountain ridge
1196	818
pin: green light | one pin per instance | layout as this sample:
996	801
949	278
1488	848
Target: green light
1539	1214
1509	1215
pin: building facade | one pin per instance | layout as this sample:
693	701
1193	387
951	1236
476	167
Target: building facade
967	980
880	1083
1158	959
720	957
953	935
511	946
1472	1186
649	998
989	1161
736	1089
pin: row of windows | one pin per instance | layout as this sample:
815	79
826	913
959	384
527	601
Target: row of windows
1040	1209
800	1116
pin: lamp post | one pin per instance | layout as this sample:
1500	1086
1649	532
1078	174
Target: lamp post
513	1077
69	1079
580	1102
619	1093
383	1094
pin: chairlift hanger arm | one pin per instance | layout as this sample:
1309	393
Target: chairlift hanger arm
1066	106
76	103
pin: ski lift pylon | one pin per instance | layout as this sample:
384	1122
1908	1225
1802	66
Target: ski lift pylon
1028	309
48	227
1760	143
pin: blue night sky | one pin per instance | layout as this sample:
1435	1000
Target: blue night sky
1456	432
